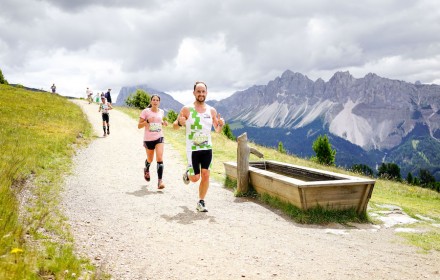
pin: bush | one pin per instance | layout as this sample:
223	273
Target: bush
171	116
140	99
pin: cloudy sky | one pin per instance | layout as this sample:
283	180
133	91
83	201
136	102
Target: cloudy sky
229	44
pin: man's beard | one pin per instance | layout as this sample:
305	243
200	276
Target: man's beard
201	99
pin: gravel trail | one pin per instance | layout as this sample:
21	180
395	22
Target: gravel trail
132	230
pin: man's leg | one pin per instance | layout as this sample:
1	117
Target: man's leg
108	124
204	184
104	126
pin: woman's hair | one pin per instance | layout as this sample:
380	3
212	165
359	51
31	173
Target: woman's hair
149	105
198	82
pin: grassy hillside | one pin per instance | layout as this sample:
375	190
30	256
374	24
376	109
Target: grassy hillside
38	135
418	202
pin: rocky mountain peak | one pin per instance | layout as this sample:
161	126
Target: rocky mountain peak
371	112
342	78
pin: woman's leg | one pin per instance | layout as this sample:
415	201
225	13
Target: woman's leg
159	158
150	156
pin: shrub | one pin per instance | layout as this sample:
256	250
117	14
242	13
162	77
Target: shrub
140	99
171	116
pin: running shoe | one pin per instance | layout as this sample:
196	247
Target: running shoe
146	175
105	134
160	185
201	206
185	177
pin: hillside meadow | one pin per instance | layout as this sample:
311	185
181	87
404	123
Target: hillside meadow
39	133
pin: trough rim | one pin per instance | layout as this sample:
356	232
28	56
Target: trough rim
344	178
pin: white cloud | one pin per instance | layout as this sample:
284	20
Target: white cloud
229	44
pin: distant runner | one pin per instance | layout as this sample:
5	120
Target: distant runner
104	108
89	94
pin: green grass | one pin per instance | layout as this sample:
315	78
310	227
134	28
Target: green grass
316	215
38	136
413	200
426	241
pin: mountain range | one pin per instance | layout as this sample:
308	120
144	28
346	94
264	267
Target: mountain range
369	120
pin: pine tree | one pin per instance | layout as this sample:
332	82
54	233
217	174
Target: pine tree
2	79
324	152
226	130
281	148
409	178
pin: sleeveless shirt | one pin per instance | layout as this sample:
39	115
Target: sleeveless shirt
198	129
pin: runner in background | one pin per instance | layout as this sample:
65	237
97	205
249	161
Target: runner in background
104	108
89	94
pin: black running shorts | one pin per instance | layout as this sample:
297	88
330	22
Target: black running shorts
150	145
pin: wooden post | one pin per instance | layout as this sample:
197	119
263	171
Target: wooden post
243	152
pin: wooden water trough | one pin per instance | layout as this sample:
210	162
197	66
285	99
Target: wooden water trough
307	187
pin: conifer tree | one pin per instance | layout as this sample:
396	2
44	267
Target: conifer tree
2	79
324	152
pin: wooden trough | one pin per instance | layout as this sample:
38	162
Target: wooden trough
307	187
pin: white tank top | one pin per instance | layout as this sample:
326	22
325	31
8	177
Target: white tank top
198	129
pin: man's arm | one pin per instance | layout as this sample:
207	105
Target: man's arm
217	121
181	118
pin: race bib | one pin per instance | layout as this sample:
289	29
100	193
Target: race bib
200	139
155	127
104	108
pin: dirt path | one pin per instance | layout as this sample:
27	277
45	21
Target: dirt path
135	231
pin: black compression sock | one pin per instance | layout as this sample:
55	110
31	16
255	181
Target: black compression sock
159	169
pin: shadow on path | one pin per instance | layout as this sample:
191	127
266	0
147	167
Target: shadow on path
144	191
188	217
